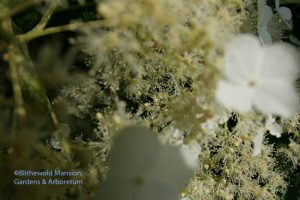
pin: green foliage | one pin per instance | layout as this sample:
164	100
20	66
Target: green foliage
27	20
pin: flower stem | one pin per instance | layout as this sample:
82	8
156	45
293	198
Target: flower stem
24	38
47	15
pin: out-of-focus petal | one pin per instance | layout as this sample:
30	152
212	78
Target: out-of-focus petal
274	128
276	97
285	13
141	168
277	4
281	62
243	58
234	96
264	35
265	15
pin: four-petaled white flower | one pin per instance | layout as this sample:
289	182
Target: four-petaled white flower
142	168
258	76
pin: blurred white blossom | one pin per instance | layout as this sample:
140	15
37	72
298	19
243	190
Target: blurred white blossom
284	12
264	15
142	168
258	76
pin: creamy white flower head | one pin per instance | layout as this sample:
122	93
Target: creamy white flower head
259	76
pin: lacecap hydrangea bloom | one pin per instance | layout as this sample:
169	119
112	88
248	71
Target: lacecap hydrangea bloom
259	76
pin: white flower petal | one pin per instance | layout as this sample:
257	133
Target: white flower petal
265	15
270	120
243	58
281	62
285	13
276	97
277	4
264	35
141	168
275	130
234	96
258	139
259	76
